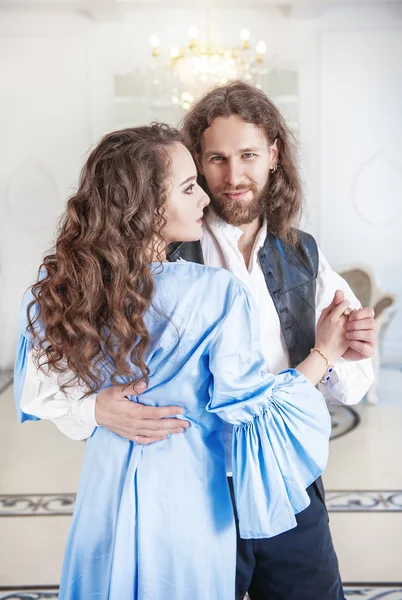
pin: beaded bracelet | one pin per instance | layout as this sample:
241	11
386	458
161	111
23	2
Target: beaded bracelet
328	367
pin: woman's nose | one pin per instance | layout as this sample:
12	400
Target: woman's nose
205	199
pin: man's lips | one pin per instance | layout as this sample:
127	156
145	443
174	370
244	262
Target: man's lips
236	195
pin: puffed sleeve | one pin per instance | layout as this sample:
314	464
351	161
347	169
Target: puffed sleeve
281	425
21	360
37	392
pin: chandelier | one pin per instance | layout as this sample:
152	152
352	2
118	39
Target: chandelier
192	70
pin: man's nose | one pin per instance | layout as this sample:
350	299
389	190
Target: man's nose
234	173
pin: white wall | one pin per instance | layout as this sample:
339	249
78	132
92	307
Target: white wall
56	99
360	212
45	131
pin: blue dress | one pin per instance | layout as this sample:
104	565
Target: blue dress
156	522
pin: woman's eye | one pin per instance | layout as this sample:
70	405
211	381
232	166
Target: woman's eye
248	154
190	189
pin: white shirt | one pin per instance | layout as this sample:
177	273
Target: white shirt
349	382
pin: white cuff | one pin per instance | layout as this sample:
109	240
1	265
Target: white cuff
350	381
83	410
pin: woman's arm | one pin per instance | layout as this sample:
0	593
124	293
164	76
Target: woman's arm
281	424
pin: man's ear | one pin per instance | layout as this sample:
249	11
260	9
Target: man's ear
274	152
197	158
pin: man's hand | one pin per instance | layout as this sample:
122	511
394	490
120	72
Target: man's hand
136	422
360	331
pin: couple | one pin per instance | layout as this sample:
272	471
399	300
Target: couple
120	299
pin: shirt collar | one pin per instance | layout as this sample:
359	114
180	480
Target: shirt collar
218	225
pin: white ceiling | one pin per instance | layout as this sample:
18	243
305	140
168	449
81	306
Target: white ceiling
101	9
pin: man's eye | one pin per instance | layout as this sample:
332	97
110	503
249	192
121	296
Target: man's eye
217	158
249	154
190	189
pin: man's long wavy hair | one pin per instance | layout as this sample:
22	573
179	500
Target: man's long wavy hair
283	194
96	285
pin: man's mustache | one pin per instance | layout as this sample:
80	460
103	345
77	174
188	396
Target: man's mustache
234	189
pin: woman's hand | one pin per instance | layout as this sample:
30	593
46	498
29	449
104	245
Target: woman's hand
332	328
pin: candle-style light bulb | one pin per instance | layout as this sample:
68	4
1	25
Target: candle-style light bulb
154	43
245	37
261	50
192	36
193	32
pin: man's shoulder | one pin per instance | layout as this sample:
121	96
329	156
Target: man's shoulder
189	251
304	239
301	252
307	250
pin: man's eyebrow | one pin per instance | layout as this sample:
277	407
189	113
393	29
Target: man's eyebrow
251	149
212	153
189	179
240	151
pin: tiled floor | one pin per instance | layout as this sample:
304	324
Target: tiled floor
39	475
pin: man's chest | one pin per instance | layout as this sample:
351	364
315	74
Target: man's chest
272	340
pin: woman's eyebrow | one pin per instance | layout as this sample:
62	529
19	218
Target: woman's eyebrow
188	179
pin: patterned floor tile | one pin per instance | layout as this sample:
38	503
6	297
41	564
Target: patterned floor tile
373	593
29	594
36	505
364	501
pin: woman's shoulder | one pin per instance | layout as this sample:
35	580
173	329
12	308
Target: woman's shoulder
199	275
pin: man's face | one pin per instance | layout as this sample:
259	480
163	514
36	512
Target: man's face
235	160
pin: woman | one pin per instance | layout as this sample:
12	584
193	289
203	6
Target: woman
156	522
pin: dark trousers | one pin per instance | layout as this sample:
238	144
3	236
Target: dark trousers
299	564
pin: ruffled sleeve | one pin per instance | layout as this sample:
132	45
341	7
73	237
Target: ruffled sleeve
281	425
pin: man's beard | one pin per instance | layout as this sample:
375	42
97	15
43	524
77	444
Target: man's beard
239	212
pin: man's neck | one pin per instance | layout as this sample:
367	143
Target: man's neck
247	240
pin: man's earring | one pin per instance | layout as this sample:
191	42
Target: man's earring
274	168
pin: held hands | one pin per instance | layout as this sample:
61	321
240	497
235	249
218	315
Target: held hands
360	331
332	328
136	422
353	337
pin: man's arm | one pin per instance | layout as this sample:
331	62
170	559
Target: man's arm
353	373
77	416
133	421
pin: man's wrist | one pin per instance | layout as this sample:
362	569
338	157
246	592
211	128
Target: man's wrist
87	410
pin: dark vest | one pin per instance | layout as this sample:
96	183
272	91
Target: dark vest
290	273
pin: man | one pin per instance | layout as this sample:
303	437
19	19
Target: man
246	163
244	154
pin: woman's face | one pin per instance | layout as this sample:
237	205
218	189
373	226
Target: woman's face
185	199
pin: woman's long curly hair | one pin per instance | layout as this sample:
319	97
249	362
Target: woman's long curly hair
96	284
283	195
